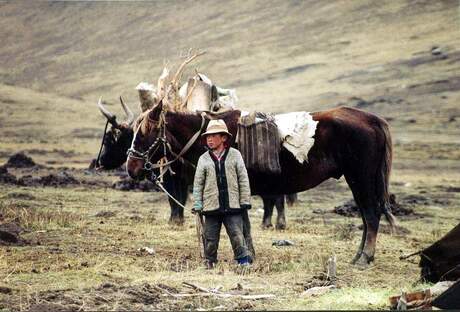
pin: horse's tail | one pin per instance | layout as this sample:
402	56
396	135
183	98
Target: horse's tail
383	174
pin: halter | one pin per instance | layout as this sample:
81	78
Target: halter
162	141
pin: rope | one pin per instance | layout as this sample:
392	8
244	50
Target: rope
102	143
158	183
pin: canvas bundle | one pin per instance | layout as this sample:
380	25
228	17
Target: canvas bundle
259	143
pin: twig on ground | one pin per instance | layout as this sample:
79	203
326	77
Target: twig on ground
215	292
404	257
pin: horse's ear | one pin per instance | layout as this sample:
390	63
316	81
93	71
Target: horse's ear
155	112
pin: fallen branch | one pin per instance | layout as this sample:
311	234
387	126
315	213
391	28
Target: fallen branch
216	293
404	257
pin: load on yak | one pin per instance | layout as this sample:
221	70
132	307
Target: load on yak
197	94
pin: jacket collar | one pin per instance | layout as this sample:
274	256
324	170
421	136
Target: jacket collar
224	155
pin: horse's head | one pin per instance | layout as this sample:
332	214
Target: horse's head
148	144
117	139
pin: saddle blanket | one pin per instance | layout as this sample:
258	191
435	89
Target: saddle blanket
296	130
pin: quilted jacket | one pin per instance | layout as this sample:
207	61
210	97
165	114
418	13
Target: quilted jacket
221	186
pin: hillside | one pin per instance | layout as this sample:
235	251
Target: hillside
300	54
279	55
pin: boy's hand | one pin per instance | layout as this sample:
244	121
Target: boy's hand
197	207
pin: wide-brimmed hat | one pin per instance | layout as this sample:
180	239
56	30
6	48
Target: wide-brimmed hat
216	126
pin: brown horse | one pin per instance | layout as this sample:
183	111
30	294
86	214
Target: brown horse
347	142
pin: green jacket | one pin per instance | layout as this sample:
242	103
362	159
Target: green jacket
221	186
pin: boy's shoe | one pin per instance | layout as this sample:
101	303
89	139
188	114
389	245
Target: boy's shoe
243	266
244	262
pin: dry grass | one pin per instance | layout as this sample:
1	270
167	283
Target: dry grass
87	251
59	57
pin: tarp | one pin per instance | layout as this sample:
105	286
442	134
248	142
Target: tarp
441	261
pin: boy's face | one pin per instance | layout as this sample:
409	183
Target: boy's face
216	140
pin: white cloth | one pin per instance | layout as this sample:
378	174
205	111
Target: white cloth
296	130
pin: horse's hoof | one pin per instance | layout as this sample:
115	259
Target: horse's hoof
266	226
176	221
363	261
281	226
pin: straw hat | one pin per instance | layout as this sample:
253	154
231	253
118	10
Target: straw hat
216	126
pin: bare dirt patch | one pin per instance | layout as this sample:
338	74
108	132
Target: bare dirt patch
6	177
127	184
402	208
59	179
20	160
10	235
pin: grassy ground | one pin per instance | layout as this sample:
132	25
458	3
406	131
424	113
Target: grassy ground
75	250
57	58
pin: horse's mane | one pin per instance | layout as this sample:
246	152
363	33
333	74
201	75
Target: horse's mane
145	124
142	123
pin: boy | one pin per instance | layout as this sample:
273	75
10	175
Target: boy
221	190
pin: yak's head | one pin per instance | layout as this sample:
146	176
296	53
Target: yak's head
117	139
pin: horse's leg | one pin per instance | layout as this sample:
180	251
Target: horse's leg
268	211
356	197
178	189
363	190
281	218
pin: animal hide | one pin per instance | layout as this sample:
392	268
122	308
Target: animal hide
147	96
296	130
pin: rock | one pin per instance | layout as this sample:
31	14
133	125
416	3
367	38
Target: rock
435	50
317	291
282	242
146	250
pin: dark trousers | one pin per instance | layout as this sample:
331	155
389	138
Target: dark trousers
233	225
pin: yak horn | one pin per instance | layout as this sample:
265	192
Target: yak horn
110	117
128	112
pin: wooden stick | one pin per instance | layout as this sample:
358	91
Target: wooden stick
223	296
410	255
199	233
207	292
196	287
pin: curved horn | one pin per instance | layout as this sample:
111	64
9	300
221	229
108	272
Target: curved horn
128	112
110	117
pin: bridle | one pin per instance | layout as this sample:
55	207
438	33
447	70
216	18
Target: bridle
161	142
